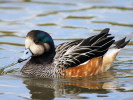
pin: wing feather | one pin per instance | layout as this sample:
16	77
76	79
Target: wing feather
74	53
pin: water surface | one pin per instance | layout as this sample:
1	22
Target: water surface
65	21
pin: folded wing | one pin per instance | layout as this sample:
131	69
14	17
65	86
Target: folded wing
74	53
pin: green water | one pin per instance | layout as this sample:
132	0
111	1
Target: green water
65	20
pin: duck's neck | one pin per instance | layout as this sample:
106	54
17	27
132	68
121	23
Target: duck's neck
43	59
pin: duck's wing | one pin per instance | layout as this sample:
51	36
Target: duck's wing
64	46
74	53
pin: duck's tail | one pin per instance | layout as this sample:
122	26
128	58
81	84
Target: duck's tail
121	43
111	54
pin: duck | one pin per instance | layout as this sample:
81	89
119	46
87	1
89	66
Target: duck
79	58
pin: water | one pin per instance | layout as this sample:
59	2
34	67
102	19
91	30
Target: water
65	21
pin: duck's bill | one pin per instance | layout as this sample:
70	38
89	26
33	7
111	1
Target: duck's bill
27	54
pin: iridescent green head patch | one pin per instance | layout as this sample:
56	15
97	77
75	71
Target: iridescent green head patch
44	37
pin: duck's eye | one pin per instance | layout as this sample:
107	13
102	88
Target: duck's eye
36	41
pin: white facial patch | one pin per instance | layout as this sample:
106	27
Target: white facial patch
28	42
47	47
35	49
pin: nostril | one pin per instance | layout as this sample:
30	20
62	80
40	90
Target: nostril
26	52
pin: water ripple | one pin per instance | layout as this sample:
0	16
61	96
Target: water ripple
114	23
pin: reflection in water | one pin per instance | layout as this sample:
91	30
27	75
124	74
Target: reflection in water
69	88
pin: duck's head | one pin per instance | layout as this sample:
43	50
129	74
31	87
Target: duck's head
37	44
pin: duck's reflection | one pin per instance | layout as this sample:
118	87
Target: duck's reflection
69	88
